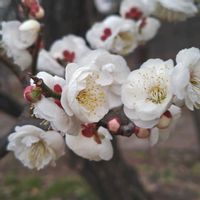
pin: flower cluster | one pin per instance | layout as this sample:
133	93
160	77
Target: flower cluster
77	88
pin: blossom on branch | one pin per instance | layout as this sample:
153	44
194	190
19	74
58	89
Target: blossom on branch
50	109
17	38
137	9
69	49
34	147
147	29
93	85
48	64
114	34
175	10
35	10
96	146
186	77
147	92
162	133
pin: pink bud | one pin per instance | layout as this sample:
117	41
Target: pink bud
165	120
142	133
32	94
40	13
113	125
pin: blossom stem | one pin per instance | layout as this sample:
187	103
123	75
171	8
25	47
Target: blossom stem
36	52
126	126
47	92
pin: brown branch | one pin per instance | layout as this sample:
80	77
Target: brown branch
9	105
15	69
35	52
47	92
126	126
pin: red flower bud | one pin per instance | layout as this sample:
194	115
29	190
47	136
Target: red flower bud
142	133
165	120
32	94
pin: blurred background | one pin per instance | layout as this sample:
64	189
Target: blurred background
170	170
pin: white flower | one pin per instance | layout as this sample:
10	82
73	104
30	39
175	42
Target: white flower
34	147
137	9
147	92
28	32
93	87
158	134
106	6
114	34
186	77
148	28
69	49
175	10
97	147
17	37
20	35
51	110
47	63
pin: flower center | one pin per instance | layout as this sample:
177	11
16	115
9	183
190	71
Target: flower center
195	81
92	96
124	41
69	56
134	13
157	94
106	33
37	152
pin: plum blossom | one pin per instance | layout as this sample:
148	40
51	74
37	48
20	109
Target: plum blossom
106	6
137	9
34	8
162	134
69	49
48	64
93	86
96	146
147	28
186	77
34	147
147	92
175	10
17	37
114	34
51	109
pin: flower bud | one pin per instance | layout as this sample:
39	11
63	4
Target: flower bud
40	13
32	94
35	10
165	120
142	133
113	125
30	25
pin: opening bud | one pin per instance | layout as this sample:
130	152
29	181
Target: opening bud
32	94
165	120
30	25
142	133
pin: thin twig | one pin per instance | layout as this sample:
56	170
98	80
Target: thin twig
48	92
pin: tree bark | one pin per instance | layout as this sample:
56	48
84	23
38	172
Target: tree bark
113	179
